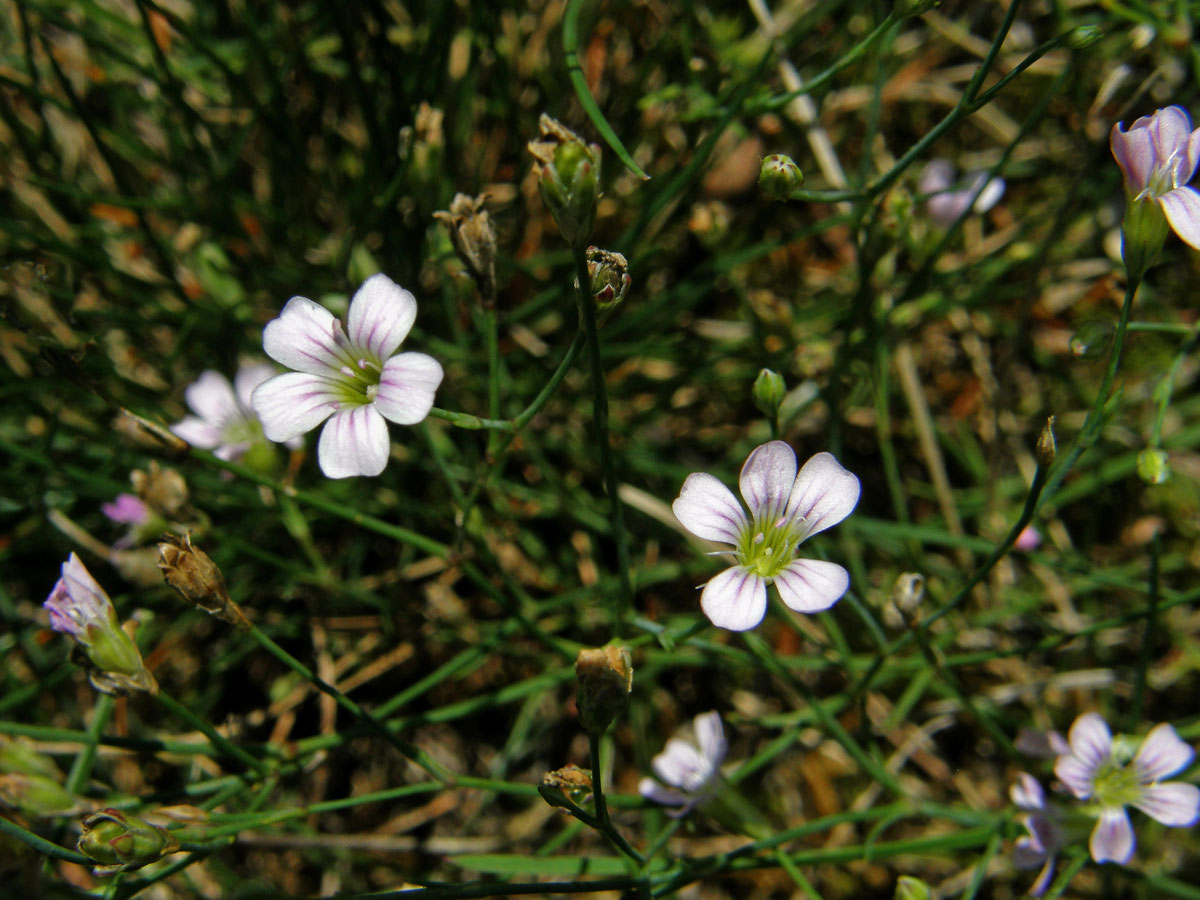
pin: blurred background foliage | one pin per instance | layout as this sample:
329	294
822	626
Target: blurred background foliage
172	172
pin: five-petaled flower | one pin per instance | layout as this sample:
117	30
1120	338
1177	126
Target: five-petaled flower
1158	156
1098	769
785	509
692	770
224	421
348	376
79	607
1044	837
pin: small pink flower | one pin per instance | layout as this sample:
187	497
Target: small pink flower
1029	539
946	202
347	375
785	510
1098	770
693	771
126	509
1158	156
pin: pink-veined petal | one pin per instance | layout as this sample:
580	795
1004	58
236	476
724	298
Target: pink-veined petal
708	509
1090	740
250	376
811	585
353	442
710	735
680	765
766	480
197	432
1193	157
302	338
1076	775
407	386
1163	753
1170	129
380	317
1134	153
825	493
293	403
1175	803
652	790
937	176
1182	209
735	599
212	399
1112	838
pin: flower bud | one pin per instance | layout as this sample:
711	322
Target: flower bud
779	176
605	677
474	240
163	490
196	578
609	281
567	787
1152	466
908	591
1083	36
79	607
18	754
120	842
36	795
768	392
568	173
909	888
1047	449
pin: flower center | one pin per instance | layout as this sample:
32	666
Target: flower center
1165	177
1116	785
360	372
767	547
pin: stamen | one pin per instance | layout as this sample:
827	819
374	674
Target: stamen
759	538
348	372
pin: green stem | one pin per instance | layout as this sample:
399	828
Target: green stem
41	845
81	769
219	742
587	306
472	423
420	757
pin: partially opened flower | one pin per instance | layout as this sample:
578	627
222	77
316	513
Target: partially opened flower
1158	156
224	421
785	509
347	375
946	200
692	770
1044	836
1098	769
79	607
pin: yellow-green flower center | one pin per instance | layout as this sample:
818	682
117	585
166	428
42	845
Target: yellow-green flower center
767	547
1116	785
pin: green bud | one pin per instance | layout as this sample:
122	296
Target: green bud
116	662
909	888
17	754
608	274
1153	466
768	392
1142	234
1083	36
568	173
779	176
120	842
36	795
605	677
1046	448
1091	339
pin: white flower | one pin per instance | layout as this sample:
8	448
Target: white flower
224	422
785	509
348	376
1044	838
692	770
1099	770
945	204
